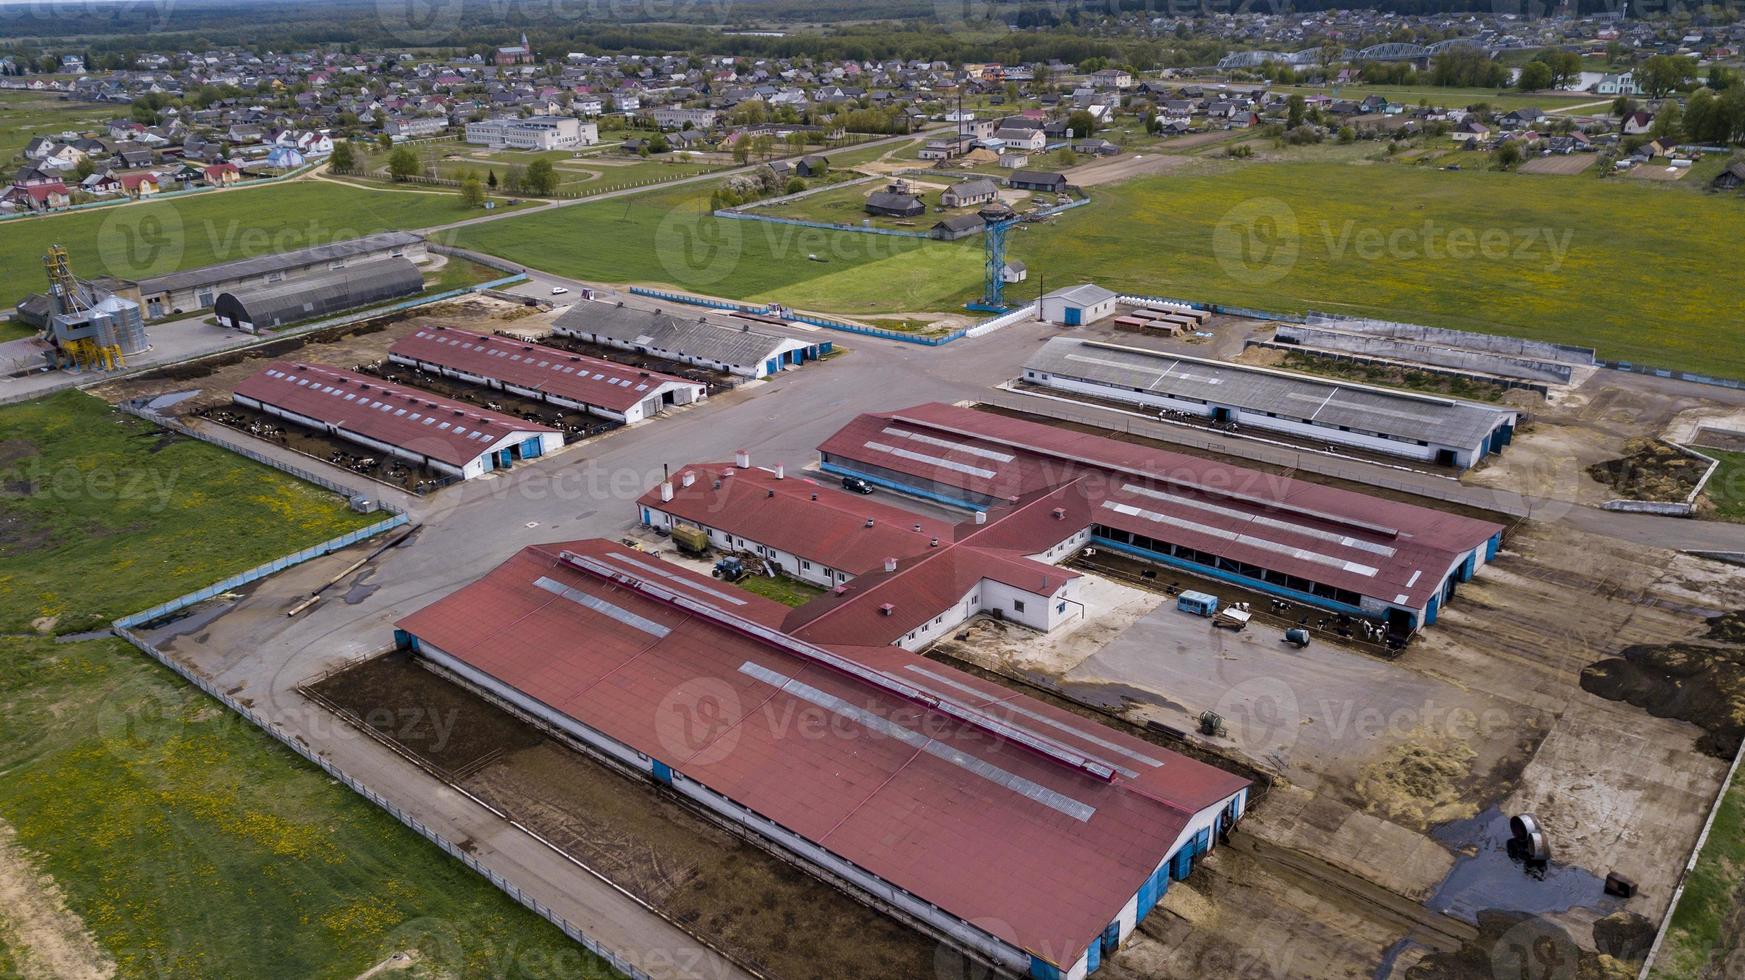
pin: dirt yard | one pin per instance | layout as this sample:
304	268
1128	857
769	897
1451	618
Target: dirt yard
45	938
1392	775
1590	424
737	896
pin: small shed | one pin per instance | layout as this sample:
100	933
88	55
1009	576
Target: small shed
1078	305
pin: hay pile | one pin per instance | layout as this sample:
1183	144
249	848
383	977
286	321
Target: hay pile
1419	782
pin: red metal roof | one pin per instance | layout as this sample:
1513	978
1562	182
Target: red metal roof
576	377
959	791
450	431
803	517
1387	549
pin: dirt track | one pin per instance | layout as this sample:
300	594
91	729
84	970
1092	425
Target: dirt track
734	895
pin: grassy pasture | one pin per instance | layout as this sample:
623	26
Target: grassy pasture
1642	272
139	240
102	514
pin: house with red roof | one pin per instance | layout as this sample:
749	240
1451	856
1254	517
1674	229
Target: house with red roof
221	174
38	196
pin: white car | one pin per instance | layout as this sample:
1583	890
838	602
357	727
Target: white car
559	290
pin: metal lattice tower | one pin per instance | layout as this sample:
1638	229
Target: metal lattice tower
993	260
994	254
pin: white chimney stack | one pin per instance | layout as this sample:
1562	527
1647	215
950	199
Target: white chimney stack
688	479
981	517
780	472
666	490
742	459
890	564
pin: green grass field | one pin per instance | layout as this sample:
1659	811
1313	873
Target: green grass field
102	514
25	115
668	237
1643	273
1699	929
1501	100
138	240
190	844
1726	488
782	588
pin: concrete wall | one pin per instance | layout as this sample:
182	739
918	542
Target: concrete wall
1507	356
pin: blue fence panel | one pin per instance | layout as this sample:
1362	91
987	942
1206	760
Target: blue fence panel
1701	379
259	572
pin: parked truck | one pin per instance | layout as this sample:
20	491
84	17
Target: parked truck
690	539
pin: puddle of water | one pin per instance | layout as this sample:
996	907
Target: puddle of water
359	593
1486	876
360	588
162	402
1112	697
1385	969
199	618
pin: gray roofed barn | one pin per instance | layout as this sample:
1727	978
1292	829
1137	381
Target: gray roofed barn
263	264
714	342
264	307
1400	423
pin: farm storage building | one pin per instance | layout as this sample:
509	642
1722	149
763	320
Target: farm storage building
717	343
1078	305
1445	431
258	308
816	533
558	377
948	797
1318	545
894	578
450	437
197	289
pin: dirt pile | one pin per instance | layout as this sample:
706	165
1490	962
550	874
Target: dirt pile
1420	781
1700	681
1650	470
1516	944
1624	936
